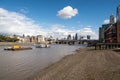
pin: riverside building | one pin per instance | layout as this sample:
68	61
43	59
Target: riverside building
110	33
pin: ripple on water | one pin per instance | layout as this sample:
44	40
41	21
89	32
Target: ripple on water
19	65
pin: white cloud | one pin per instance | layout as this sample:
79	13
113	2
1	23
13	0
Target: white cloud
12	22
16	23
107	21
88	31
67	12
24	10
60	32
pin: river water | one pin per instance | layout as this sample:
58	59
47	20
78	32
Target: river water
20	65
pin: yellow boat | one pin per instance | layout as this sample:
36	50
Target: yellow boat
17	47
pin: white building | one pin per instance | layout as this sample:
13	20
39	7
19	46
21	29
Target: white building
40	38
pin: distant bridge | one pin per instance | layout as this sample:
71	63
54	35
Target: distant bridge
72	42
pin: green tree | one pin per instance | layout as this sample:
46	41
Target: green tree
7	39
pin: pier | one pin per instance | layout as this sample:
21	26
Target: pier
104	46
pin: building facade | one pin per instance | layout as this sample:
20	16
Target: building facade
40	38
118	13
33	39
110	33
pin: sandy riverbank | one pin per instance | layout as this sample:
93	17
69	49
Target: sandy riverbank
86	64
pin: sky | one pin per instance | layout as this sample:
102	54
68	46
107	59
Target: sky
57	18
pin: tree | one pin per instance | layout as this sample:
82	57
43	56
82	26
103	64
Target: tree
7	39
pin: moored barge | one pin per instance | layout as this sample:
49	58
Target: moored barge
16	47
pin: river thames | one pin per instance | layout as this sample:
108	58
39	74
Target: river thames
20	65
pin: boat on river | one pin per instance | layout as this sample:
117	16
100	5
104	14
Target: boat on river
42	45
16	47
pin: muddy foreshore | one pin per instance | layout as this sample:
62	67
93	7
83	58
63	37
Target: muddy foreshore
85	64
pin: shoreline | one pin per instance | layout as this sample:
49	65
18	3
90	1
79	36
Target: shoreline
84	64
34	76
13	43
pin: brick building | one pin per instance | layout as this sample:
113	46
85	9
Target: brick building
110	33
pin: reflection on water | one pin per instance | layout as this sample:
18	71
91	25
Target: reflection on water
19	65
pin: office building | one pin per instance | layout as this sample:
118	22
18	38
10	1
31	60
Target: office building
110	33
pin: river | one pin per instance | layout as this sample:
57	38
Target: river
20	65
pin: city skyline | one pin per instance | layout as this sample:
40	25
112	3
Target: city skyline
56	18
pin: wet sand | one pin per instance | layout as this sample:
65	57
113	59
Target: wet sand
85	64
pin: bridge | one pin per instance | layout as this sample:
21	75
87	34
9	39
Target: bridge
72	42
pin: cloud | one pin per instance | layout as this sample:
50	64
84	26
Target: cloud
62	32
24	10
88	31
67	12
16	23
107	21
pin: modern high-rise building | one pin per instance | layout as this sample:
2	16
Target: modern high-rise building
112	19
118	13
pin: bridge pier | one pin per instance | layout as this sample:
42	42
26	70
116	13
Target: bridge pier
102	46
